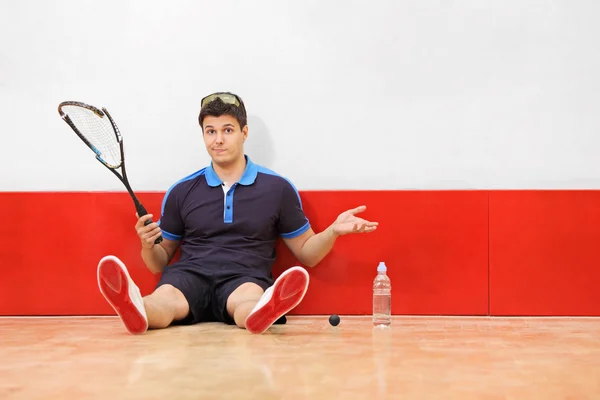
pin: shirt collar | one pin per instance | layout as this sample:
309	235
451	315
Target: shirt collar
247	178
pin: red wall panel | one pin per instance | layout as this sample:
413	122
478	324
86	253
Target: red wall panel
435	245
545	253
52	242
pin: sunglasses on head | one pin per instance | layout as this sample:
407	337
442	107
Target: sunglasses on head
227	98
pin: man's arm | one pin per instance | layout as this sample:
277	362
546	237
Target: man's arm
307	246
155	256
170	226
160	255
310	248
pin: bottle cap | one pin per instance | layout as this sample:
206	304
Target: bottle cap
381	267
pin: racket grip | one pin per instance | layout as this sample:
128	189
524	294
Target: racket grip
141	212
160	238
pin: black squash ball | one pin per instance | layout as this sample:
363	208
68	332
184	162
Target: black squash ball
334	320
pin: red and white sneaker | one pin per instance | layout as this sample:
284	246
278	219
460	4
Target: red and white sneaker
122	294
285	294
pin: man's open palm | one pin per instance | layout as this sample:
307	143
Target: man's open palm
347	222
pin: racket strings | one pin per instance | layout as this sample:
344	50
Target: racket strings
98	131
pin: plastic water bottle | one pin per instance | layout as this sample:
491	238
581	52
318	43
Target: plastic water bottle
382	297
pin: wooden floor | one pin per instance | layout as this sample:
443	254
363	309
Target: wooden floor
418	358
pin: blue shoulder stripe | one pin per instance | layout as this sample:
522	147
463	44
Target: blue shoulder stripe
187	178
267	171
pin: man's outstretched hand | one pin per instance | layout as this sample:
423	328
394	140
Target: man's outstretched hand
347	222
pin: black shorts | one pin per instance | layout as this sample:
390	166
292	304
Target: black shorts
206	291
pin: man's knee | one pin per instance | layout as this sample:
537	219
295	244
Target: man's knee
168	292
169	296
244	297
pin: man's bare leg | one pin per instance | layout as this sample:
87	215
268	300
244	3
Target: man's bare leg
242	300
165	305
157	310
255	310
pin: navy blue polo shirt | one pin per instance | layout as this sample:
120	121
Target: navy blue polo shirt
232	230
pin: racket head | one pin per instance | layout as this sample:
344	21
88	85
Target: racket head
96	129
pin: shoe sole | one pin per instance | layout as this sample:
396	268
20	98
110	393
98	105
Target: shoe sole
288	292
115	285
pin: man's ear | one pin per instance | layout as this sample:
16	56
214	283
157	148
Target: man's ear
245	132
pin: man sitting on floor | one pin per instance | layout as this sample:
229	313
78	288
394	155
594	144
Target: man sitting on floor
226	219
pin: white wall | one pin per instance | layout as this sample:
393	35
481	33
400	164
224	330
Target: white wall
388	94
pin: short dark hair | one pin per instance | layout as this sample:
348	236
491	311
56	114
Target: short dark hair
218	107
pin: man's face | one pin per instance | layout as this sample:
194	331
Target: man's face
224	139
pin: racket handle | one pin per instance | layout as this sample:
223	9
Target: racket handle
142	211
160	238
